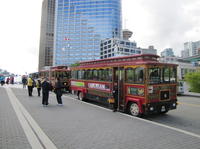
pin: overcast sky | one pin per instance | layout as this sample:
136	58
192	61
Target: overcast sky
162	23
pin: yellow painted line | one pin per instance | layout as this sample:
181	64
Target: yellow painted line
189	104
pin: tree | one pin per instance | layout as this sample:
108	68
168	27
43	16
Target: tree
193	79
75	64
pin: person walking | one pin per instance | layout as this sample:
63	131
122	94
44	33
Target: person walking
58	91
24	81
115	95
46	87
38	86
30	86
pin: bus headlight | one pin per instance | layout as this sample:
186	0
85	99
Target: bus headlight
174	104
151	108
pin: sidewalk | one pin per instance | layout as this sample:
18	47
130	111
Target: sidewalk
191	94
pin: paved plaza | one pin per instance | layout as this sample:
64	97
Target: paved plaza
80	125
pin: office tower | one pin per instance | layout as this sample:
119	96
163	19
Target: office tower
80	25
47	34
190	49
167	52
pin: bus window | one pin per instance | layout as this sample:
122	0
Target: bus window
154	75
95	74
101	75
109	74
79	74
130	75
106	75
89	76
139	75
74	74
166	76
173	74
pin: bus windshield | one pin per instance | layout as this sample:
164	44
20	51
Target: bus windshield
159	75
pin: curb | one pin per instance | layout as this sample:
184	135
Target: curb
198	96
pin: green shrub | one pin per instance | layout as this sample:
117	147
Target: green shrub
193	79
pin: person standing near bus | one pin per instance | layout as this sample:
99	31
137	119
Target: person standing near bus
58	91
30	86
115	95
24	81
46	87
38	86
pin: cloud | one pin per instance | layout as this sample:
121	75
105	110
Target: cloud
169	23
20	33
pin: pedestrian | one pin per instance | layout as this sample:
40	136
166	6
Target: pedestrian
115	95
12	80
38	86
58	91
24	81
7	80
30	86
46	87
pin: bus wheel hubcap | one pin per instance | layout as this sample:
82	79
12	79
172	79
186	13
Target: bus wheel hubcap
134	109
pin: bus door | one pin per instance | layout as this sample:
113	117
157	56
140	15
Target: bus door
118	80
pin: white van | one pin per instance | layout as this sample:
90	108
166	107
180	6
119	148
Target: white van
180	88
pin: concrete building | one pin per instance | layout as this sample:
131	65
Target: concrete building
113	47
149	50
47	34
190	49
167	53
80	25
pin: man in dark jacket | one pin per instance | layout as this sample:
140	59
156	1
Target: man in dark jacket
58	91
115	95
46	87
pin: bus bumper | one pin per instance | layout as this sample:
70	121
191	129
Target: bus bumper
160	107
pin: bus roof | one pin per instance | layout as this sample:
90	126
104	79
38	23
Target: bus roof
141	59
56	68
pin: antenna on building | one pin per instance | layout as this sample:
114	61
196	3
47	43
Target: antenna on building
125	21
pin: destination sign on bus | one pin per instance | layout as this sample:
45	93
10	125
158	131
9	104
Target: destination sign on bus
98	86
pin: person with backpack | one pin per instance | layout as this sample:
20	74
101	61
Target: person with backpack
38	86
46	87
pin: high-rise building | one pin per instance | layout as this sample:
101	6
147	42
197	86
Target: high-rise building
80	25
47	34
190	49
167	52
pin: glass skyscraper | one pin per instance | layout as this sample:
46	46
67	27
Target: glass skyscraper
80	25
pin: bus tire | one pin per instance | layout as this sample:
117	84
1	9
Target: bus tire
80	96
134	109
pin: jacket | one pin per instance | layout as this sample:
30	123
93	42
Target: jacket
30	82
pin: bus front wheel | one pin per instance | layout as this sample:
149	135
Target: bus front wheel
80	96
134	109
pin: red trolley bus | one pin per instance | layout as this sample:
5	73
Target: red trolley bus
144	84
61	72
